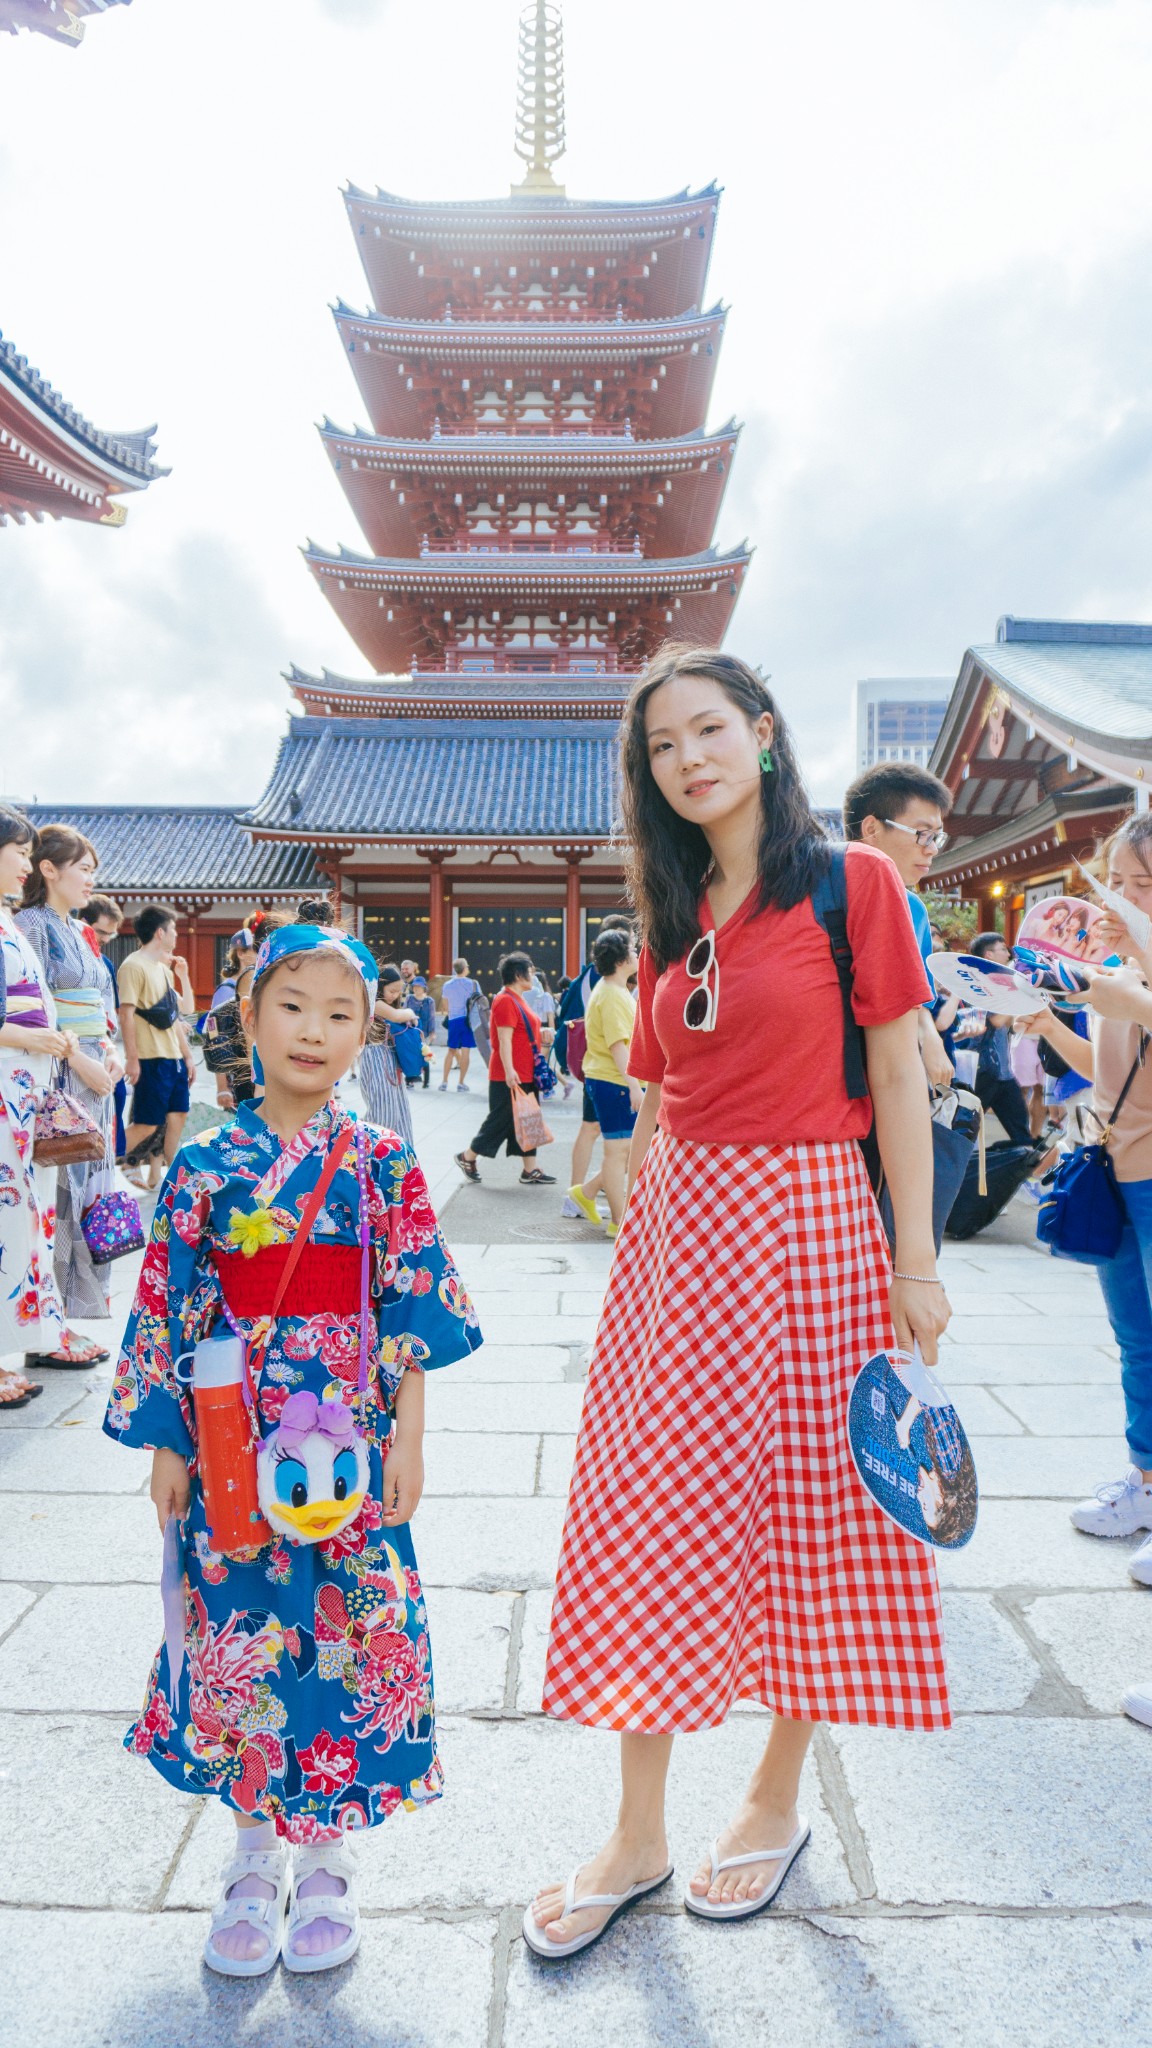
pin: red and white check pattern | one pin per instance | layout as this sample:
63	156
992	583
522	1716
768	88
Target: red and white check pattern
719	1544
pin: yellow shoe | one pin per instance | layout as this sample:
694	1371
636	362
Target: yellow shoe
611	1230
586	1207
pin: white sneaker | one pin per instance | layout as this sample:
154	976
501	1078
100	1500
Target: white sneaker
1117	1510
568	1208
1138	1703
1140	1563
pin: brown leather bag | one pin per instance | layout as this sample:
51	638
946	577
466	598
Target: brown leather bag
65	1134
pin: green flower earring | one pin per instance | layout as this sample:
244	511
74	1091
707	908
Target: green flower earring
767	764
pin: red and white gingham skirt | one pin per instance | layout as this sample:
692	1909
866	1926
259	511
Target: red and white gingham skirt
718	1543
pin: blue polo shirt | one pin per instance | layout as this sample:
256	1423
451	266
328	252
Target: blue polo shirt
923	931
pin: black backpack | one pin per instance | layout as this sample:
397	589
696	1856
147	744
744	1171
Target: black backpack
830	908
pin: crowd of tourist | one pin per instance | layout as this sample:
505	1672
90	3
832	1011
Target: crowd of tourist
754	1271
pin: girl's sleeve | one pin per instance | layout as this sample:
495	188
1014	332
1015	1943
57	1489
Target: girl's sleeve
426	1317
148	1407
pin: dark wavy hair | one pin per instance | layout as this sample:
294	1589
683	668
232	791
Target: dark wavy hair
668	857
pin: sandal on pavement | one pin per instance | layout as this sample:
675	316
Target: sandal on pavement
76	1354
467	1166
334	1861
13	1392
555	1951
266	1916
742	1909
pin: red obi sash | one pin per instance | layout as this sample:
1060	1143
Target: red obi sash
326	1280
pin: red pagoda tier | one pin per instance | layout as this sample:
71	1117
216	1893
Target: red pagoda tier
54	461
63	20
539	493
600	492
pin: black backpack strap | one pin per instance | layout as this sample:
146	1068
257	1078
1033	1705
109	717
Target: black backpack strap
830	907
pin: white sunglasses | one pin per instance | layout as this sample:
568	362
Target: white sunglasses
703	1002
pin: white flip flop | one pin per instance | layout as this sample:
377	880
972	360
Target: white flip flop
555	1951
742	1909
340	1907
265	1915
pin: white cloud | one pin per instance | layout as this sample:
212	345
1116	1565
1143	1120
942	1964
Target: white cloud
933	238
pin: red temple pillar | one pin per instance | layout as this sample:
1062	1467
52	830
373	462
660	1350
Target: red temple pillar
438	946
573	857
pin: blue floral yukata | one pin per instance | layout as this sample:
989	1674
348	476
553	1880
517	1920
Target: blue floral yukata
305	1691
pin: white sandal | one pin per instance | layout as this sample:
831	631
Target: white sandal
554	1951
265	1915
741	1909
335	1861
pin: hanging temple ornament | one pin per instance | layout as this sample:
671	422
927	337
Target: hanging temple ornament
540	99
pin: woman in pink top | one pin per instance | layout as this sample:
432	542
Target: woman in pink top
718	1543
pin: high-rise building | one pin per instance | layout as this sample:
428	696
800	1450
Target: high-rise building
898	718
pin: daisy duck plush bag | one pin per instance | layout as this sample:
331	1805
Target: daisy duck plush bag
305	1481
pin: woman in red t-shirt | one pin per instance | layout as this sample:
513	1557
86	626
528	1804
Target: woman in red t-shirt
719	1544
517	1038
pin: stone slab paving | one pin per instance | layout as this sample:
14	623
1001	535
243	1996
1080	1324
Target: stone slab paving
982	1889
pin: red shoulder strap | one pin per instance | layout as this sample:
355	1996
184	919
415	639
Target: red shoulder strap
312	1207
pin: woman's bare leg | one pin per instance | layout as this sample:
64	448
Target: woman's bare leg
767	1819
636	1849
613	1173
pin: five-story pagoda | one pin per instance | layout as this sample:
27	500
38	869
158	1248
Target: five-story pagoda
539	494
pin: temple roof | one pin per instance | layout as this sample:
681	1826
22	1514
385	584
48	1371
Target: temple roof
402	779
50	454
398	237
167	850
550	456
63	20
472	570
491	694
1084	688
543	215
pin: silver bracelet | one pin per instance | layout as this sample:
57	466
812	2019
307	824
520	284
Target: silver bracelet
922	1279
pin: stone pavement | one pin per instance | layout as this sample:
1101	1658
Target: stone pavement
991	1886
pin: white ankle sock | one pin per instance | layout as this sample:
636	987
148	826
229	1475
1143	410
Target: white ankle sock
251	1841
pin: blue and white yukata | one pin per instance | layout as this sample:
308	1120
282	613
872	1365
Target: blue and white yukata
305	1691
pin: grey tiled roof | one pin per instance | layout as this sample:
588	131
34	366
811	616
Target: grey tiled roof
418	778
172	849
1101	686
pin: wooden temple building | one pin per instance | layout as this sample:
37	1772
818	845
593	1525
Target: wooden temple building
1046	746
537	490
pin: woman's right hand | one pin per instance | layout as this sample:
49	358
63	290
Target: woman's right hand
171	1487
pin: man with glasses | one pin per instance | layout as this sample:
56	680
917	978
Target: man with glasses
901	809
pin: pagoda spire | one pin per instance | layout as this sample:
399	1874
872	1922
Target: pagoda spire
540	98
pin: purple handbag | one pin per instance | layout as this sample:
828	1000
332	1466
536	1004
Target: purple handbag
112	1227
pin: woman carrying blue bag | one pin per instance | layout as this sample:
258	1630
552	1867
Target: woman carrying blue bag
1096	1180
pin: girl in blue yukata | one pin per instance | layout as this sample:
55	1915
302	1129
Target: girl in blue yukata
295	1680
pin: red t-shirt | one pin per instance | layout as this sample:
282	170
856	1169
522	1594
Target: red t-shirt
509	1011
772	1072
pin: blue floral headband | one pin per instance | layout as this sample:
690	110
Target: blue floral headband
309	938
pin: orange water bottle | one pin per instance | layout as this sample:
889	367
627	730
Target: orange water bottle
227	1447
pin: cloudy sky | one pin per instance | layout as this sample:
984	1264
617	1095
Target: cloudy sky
935	240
